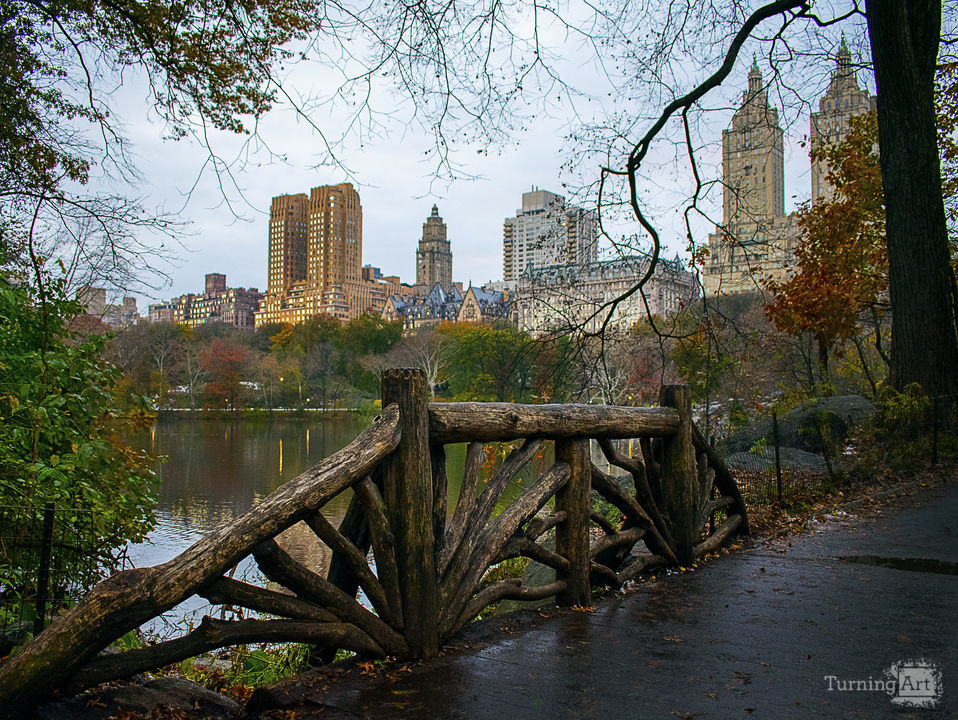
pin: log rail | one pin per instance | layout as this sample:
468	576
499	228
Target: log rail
430	560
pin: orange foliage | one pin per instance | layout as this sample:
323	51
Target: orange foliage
842	263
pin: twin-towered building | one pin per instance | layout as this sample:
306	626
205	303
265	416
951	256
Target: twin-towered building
756	239
315	259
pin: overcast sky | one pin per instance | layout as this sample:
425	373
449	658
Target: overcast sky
397	186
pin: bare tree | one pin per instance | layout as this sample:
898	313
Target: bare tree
904	42
423	349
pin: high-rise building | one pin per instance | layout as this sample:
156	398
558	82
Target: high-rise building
335	236
433	256
756	237
843	99
287	242
753	159
546	232
315	256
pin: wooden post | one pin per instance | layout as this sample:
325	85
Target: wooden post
408	493
572	535
679	473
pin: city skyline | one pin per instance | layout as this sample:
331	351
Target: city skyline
396	201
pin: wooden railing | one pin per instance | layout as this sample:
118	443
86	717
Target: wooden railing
429	563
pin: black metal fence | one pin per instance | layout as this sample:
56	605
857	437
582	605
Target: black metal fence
46	562
776	458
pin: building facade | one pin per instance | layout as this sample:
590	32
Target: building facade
577	297
757	240
417	311
439	305
218	304
315	255
843	99
434	254
117	316
545	232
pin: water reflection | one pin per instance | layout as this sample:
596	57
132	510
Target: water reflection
217	470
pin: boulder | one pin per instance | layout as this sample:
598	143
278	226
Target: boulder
790	458
836	416
799	427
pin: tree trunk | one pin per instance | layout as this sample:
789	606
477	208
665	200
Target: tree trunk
824	377
904	37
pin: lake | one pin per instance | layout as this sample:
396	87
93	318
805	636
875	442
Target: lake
217	469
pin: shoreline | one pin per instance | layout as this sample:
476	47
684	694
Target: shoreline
260	413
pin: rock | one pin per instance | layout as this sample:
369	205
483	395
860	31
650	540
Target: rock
15	634
799	427
790	458
836	415
147	699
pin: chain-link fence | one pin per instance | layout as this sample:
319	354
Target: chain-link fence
46	562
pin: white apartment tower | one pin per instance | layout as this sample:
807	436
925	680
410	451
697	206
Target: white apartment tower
546	232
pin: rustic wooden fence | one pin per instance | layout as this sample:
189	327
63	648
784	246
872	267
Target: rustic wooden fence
429	567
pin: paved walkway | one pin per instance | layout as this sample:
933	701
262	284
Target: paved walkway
755	634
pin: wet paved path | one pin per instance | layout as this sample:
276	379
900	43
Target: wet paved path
751	635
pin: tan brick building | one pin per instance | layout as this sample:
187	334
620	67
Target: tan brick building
315	255
756	239
434	255
843	99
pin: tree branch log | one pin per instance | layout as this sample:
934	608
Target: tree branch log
603	523
537	526
384	546
624	539
279	567
468	497
130	598
227	591
603	574
524	547
475	524
643	491
723	478
355	559
610	490
718	537
212	634
639	564
503	422
508	589
493	540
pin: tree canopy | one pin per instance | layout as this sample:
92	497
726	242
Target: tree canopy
841	260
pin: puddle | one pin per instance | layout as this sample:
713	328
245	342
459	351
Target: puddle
942	567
